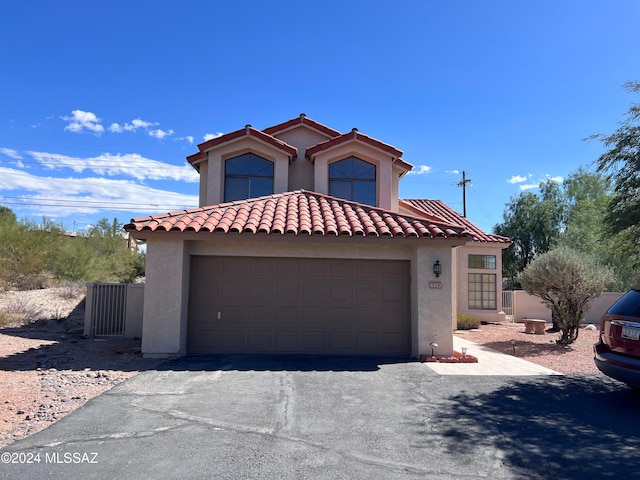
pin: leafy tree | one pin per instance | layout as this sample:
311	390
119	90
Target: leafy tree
622	162
533	222
566	281
7	216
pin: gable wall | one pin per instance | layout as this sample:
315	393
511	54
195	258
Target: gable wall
384	177
301	170
214	188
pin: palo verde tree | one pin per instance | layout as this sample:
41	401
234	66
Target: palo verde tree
566	281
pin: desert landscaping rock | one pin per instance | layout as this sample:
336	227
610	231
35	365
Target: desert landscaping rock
49	369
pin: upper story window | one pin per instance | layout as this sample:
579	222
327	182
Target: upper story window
247	176
353	179
482	261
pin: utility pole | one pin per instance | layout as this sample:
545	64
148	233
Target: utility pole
463	184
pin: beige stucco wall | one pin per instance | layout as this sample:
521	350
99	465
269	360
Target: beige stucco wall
463	279
301	170
382	161
214	188
167	282
530	306
165	298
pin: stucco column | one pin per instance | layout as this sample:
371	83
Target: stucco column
433	304
165	299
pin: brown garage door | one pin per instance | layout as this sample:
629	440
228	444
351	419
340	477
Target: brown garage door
298	305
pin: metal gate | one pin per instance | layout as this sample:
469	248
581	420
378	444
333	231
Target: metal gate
108	309
508	305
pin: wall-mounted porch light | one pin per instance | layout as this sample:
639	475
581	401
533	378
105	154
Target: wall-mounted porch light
437	268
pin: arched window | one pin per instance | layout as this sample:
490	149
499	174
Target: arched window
247	176
353	179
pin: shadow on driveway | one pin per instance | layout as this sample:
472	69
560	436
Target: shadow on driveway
552	427
291	363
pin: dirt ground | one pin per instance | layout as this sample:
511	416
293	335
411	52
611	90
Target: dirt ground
48	368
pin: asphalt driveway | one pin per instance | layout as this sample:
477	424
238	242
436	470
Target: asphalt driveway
238	417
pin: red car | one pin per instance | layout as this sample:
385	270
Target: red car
617	354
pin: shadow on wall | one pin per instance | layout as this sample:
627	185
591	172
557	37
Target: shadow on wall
553	427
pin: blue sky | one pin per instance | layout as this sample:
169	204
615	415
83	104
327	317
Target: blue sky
101	101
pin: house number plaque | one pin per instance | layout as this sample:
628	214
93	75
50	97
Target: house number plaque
437	285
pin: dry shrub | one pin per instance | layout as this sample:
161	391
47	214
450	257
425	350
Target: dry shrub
23	311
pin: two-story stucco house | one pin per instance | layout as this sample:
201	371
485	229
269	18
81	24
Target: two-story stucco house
301	245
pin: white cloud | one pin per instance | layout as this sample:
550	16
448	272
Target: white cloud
211	136
420	170
10	152
135	124
517	179
557	178
454	172
60	197
160	134
131	165
188	138
81	121
529	186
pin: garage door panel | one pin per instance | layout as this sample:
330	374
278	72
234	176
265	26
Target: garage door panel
340	318
287	341
367	318
394	293
289	316
313	341
261	266
315	267
368	292
316	291
231	340
234	316
393	343
261	291
368	342
289	267
314	317
232	290
342	268
341	291
260	340
261	316
295	305
341	342
236	266
289	291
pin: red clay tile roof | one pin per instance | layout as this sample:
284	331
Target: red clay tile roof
439	209
244	132
302	119
297	213
353	135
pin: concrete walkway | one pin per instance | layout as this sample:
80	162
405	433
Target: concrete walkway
490	362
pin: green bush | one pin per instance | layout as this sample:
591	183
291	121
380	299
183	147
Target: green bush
33	255
467	321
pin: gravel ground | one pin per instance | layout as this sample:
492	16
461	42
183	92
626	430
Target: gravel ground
574	359
48	369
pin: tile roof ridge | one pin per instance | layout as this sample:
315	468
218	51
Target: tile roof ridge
302	119
354	135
